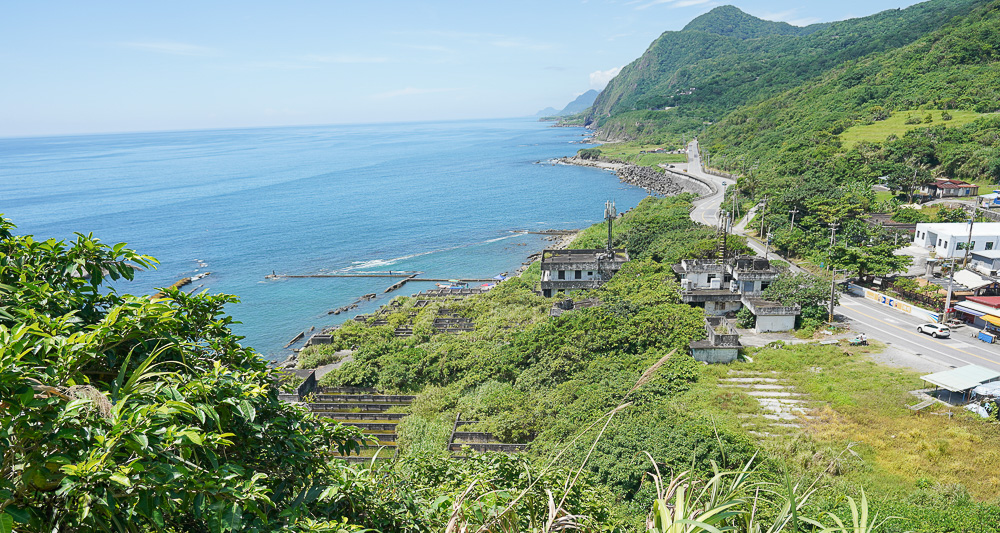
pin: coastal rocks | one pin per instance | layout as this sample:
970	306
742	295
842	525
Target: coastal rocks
650	179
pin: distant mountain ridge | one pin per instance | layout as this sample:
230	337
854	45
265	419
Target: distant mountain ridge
726	58
730	21
580	103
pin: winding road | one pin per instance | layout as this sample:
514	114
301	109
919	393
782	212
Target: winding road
898	330
706	208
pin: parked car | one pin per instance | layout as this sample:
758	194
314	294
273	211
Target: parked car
934	330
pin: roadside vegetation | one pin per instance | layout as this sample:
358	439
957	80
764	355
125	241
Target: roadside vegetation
528	378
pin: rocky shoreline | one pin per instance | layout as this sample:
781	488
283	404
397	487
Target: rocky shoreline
650	179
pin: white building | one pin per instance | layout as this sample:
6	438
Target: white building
947	239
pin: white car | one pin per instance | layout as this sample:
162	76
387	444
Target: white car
934	330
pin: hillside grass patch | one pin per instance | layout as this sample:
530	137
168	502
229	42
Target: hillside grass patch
897	125
864	408
630	153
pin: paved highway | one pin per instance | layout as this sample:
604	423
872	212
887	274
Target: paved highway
893	327
899	330
706	208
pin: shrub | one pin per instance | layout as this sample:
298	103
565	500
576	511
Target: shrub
745	319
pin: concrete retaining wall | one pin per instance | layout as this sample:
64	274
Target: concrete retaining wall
889	301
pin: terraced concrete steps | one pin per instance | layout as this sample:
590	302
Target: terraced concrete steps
479	441
347	418
365	409
784	408
366	398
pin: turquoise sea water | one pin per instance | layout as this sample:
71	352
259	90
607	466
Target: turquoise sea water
439	197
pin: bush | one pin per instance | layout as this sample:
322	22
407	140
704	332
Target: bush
318	355
908	215
745	319
590	153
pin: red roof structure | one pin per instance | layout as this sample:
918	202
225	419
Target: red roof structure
992	301
953	184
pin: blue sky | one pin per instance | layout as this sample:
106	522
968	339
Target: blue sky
95	66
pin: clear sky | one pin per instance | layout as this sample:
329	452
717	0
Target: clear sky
96	66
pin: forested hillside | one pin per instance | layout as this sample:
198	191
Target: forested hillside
794	142
726	58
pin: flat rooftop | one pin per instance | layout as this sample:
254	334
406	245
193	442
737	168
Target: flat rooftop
573	256
979	229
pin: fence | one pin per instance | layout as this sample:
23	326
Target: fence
894	303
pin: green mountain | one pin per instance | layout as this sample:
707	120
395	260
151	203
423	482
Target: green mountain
729	21
726	59
946	87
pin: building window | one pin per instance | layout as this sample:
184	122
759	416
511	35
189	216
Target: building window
562	274
989	245
939	242
578	274
590	273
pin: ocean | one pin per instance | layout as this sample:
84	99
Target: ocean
445	198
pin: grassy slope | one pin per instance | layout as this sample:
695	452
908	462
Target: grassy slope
629	152
896	125
526	376
955	66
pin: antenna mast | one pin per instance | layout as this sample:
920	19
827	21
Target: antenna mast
609	214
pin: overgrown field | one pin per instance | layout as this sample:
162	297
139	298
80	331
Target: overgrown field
529	378
631	153
903	121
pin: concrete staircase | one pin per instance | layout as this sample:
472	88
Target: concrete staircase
479	441
367	410
783	408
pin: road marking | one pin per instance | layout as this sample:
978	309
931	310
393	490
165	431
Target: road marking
931	339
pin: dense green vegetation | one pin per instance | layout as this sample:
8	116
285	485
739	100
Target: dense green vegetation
530	378
726	59
185	432
125	413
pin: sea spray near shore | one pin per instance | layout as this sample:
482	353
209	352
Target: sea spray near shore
306	200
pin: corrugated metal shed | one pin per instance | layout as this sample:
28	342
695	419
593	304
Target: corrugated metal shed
962	379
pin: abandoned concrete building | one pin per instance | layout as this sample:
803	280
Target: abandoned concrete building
723	287
571	270
721	346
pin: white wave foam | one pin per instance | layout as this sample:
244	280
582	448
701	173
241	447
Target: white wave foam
376	263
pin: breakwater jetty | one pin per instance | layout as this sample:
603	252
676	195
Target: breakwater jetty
665	180
654	181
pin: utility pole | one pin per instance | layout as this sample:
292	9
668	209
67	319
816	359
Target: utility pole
793	212
767	244
833	289
763	210
951	283
968	242
833	240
